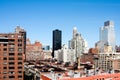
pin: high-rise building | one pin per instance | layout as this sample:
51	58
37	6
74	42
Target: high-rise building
77	43
57	40
12	54
107	36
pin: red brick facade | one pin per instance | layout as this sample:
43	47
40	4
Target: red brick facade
12	55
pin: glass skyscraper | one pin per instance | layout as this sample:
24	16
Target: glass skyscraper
107	34
57	40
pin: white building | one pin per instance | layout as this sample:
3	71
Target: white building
77	43
65	54
86	47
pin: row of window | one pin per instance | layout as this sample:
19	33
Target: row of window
13	40
11	54
11	58
12	49
20	76
12	72
19	67
12	63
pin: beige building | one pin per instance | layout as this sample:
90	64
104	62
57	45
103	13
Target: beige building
109	61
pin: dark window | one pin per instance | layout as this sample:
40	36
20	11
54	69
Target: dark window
11	68
19	58
5	77
4	58
19	62
19	71
11	76
5	67
19	54
20	76
19	40
5	44
11	63
11	54
19	67
5	49
11	40
11	58
20	45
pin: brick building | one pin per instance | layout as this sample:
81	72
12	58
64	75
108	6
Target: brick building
34	51
12	54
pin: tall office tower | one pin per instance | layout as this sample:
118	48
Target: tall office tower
57	40
77	43
12	51
107	36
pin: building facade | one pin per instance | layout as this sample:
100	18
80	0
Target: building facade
12	54
34	51
109	61
65	54
46	47
77	43
107	36
57	40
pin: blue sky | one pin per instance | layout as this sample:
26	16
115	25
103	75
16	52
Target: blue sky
40	17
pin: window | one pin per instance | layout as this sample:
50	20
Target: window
11	63
20	76
19	49
4	54
4	58
19	36
19	40
5	49
4	72
19	67
11	68
5	44
19	62
12	45
19	58
11	76
11	58
11	40
5	63
5	67
11	54
4	77
19	45
20	54
20	72
11	49
11	72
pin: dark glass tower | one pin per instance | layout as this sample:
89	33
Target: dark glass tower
56	40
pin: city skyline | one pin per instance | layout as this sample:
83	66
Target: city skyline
40	17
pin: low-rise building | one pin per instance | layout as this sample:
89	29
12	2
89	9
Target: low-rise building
109	61
33	51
